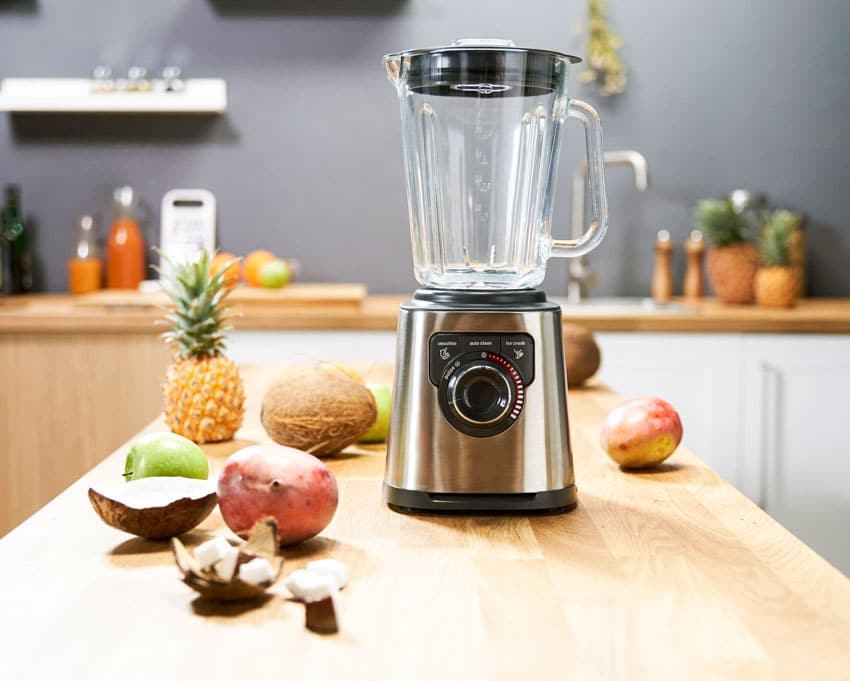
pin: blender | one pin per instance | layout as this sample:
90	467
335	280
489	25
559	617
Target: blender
479	414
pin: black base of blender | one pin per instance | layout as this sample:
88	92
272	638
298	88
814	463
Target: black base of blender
549	502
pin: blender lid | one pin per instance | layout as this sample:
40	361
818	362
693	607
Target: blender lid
481	66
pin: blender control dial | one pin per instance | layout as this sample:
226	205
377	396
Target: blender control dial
481	392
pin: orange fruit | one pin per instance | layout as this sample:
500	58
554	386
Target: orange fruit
221	260
251	266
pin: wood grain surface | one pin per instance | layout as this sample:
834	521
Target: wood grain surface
294	295
667	574
51	313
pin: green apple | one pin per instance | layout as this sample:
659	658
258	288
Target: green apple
275	274
384	400
165	454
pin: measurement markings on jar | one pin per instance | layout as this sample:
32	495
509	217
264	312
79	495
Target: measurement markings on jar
483	180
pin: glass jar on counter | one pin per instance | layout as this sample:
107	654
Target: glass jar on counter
125	247
85	266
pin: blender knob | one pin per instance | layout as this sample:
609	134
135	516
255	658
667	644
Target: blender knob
481	394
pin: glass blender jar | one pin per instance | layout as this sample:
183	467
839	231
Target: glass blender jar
481	126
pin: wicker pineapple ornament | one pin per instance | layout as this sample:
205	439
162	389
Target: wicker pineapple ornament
777	282
733	261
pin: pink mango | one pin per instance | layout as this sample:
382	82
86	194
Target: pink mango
641	432
293	487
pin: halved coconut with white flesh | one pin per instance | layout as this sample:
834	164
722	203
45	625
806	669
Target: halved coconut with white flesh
157	507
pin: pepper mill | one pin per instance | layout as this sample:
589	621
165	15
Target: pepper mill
662	275
694	285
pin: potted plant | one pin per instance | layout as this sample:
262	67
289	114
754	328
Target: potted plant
733	260
777	282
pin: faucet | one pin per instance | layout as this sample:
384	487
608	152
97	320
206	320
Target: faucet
582	277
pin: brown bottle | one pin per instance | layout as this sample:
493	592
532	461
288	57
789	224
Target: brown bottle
694	285
662	275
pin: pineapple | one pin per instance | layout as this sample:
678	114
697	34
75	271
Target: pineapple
204	396
777	281
733	261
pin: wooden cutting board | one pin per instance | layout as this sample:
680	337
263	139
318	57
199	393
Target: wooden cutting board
294	295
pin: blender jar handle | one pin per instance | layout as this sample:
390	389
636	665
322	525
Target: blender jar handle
571	248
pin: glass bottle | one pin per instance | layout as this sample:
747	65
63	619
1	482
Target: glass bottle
85	268
16	272
137	79
125	247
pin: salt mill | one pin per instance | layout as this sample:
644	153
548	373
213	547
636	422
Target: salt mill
662	275
694	286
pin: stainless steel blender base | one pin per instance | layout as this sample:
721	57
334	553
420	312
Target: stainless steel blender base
479	416
547	502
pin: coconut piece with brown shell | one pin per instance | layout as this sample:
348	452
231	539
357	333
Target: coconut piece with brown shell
155	507
262	543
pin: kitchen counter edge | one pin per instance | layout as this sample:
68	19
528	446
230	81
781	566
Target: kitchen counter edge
58	313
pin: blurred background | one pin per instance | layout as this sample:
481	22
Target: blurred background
307	160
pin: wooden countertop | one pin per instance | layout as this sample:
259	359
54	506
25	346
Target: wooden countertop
668	574
57	313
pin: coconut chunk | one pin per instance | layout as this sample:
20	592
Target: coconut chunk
330	567
256	571
218	583
212	551
310	586
226	567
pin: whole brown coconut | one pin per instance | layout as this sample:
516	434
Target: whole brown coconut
581	354
317	408
732	270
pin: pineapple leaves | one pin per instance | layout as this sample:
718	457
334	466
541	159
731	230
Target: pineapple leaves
776	234
725	226
722	223
197	321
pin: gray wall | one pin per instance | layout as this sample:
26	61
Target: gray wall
307	160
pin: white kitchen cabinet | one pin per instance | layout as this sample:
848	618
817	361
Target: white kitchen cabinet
794	458
354	347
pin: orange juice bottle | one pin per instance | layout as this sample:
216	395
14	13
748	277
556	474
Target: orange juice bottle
85	268
125	248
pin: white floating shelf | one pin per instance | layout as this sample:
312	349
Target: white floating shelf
74	95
